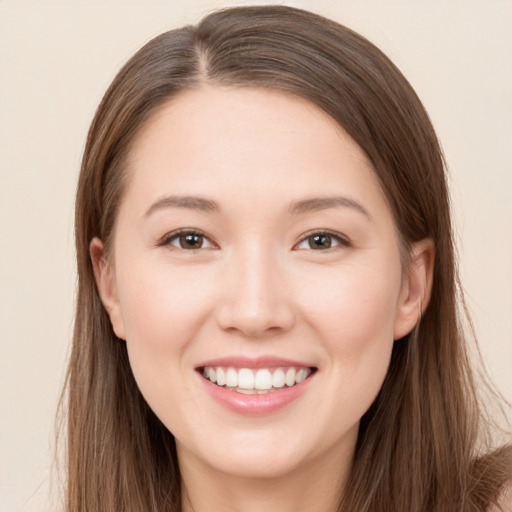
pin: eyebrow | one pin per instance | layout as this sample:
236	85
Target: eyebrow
188	202
322	203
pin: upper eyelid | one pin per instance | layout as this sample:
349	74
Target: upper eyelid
173	234
340	236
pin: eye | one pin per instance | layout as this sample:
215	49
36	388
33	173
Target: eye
188	239
322	240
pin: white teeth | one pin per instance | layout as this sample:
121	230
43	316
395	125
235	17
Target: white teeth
221	377
245	379
232	378
278	378
252	381
289	378
263	379
301	375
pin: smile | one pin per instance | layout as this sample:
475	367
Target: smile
255	381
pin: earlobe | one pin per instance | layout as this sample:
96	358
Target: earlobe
105	281
416	287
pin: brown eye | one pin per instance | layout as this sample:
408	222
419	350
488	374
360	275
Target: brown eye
188	240
193	241
319	241
322	240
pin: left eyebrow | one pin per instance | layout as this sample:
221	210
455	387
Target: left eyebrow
187	202
322	203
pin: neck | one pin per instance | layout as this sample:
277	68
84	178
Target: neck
316	488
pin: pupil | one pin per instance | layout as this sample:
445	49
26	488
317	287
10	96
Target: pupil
320	242
191	241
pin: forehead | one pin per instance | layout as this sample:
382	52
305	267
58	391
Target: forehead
252	143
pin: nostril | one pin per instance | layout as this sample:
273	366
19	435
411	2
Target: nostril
263	321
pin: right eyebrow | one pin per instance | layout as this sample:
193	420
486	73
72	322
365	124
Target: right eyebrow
188	202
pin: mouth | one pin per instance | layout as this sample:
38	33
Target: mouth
256	381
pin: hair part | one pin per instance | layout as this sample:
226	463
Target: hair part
426	420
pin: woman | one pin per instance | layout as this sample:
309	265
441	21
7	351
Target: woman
267	305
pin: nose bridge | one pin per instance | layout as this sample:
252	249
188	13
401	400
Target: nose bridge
256	298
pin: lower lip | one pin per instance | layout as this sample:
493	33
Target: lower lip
255	404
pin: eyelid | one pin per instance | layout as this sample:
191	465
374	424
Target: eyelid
342	240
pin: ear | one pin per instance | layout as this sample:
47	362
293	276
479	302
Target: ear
416	287
105	281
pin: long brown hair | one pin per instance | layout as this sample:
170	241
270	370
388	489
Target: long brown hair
419	445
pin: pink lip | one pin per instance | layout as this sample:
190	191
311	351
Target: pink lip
258	362
255	404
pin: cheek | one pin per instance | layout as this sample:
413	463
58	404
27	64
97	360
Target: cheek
354	312
162	310
161	305
356	321
354	305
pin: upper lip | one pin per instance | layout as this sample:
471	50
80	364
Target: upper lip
257	362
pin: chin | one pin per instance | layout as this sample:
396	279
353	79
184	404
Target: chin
254	455
260	466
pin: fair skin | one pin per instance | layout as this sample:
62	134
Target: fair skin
291	261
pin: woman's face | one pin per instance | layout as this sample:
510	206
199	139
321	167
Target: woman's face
254	245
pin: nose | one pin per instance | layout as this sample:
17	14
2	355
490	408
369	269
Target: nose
256	300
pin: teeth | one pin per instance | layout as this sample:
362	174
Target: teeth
232	378
278	378
261	381
221	377
302	374
245	379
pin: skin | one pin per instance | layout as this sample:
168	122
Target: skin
258	286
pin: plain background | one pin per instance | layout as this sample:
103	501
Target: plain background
56	60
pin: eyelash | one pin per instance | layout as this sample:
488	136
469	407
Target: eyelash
341	240
169	238
176	235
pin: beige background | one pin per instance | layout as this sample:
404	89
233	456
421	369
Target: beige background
57	58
